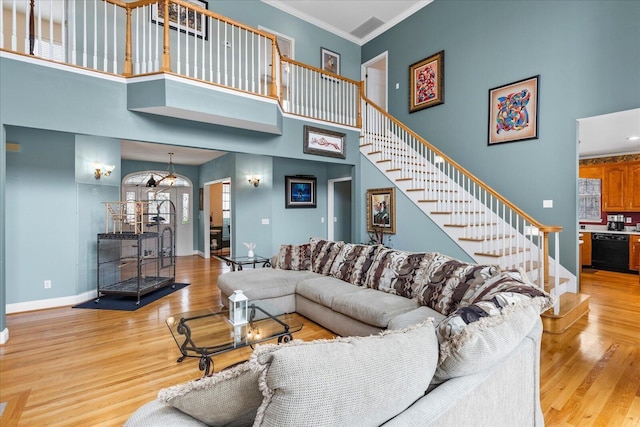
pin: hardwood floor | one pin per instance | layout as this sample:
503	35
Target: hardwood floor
75	367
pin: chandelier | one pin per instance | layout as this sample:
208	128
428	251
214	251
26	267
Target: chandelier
169	179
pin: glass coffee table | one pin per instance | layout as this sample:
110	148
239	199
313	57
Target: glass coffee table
236	262
208	332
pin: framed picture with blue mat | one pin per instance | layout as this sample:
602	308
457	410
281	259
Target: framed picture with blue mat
127	303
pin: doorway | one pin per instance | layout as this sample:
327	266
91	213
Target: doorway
374	74
216	202
339	209
180	193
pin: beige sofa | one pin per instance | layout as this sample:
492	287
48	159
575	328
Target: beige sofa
476	328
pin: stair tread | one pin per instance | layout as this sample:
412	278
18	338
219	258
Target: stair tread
568	302
500	253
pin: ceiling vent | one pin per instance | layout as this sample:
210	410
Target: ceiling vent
367	27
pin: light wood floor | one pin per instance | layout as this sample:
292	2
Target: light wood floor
74	367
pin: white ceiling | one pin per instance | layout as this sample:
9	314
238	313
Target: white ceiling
609	134
355	20
149	152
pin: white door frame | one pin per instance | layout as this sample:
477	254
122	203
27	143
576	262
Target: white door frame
206	201
363	74
330	204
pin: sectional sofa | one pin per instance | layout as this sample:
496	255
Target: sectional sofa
425	340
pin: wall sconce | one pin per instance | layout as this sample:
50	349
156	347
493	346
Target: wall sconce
102	170
255	180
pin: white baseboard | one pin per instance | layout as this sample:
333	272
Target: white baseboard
50	303
4	336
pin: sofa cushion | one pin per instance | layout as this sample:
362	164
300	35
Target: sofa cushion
294	257
372	307
352	262
452	284
414	317
349	381
323	252
476	336
323	289
262	283
230	397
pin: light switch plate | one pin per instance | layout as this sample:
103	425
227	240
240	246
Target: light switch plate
547	203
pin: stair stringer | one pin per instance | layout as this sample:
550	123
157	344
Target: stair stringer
567	281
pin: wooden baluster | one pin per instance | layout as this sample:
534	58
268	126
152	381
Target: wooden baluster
128	65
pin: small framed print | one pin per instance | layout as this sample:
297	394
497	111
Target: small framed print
426	79
381	210
324	142
513	111
330	61
300	191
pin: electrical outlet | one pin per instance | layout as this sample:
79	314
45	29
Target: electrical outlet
628	220
47	284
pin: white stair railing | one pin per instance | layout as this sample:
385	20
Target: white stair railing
490	228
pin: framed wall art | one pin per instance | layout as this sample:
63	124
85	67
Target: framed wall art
324	142
381	210
513	111
426	82
185	20
300	191
329	61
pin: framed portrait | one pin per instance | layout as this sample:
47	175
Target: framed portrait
381	210
185	20
426	81
300	191
513	111
324	142
329	61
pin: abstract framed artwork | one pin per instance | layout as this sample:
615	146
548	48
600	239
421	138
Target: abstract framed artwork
324	142
185	20
426	82
513	111
381	210
329	61
300	191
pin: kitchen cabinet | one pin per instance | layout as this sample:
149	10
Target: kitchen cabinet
590	171
614	187
634	252
633	186
620	186
586	249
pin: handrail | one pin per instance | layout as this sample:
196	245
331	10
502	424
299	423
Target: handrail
539	225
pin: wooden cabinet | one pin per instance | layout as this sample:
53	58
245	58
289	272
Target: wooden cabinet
620	186
586	249
590	171
634	252
633	186
614	187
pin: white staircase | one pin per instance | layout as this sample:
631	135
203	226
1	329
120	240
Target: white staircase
489	228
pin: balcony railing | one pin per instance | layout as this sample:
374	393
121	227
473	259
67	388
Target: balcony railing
178	37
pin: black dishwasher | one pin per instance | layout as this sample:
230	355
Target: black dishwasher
610	252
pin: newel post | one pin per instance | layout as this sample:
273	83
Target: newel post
545	261
128	65
359	104
166	54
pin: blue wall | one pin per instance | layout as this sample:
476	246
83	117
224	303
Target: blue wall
587	56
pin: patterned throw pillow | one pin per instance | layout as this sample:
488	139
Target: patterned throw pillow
294	257
478	335
323	252
398	272
228	397
352	263
452	284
